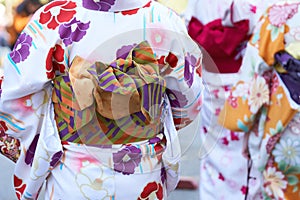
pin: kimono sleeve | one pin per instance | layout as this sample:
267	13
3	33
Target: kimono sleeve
26	104
184	83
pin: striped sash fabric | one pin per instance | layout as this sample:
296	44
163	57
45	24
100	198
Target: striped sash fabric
100	104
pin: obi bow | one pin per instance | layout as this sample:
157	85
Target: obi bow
121	88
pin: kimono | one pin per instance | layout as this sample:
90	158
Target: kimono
265	103
9	146
222	29
95	91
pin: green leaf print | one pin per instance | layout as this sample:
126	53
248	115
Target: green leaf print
282	165
292	180
278	129
275	31
242	126
293	170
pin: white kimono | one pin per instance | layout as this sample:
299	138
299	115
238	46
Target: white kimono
69	72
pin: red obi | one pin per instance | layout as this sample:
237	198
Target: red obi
223	43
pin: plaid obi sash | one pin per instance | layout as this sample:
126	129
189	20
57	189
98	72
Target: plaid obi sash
116	103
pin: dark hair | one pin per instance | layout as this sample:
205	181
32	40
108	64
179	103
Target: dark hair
23	6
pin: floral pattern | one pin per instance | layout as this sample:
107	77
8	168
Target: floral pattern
274	183
19	186
21	48
126	160
94	187
38	102
288	151
55	61
9	146
57	13
103	5
258	95
73	31
266	109
152	190
279	14
190	63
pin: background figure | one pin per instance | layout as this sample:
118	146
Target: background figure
222	29
9	146
22	14
111	84
266	102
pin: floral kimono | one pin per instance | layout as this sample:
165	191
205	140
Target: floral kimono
9	146
222	28
265	103
95	91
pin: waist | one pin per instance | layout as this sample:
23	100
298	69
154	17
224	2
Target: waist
102	131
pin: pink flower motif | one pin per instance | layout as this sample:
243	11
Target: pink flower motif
157	36
279	14
295	32
253	8
224	141
217	111
216	92
275	83
232	101
234	136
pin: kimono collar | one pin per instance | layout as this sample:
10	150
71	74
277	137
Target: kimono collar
114	5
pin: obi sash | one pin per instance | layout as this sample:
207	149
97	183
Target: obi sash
116	103
221	40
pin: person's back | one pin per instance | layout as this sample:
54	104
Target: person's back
265	102
222	29
116	69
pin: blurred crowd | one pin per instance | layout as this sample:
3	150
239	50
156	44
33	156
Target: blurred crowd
14	15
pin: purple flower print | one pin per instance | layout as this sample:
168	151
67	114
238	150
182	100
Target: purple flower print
31	150
177	99
126	160
124	51
101	5
73	31
189	66
55	158
21	49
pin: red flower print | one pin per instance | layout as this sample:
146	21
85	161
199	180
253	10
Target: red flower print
3	127
134	11
234	136
221	177
152	188
244	189
19	186
158	150
199	70
166	63
57	13
226	88
54	62
224	141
